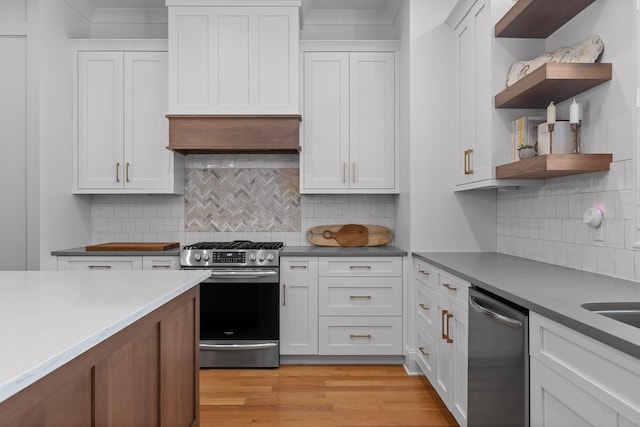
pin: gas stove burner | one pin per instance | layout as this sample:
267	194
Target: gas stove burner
235	245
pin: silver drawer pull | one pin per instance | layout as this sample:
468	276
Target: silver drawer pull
104	267
424	307
448	286
302	267
360	296
161	266
424	273
359	335
366	267
423	352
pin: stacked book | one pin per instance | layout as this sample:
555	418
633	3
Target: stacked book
524	131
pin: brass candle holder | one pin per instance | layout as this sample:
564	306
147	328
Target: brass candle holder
550	128
575	130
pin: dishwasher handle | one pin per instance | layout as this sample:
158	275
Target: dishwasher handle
507	321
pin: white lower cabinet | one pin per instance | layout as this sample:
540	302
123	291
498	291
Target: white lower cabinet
336	306
578	381
118	263
442	335
299	306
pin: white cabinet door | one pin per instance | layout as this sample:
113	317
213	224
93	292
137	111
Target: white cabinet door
299	306
444	351
473	97
233	60
458	331
349	123
555	402
122	131
372	120
325	155
147	162
100	120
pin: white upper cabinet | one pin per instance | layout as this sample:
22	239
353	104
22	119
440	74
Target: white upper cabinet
121	130
349	123
233	60
481	133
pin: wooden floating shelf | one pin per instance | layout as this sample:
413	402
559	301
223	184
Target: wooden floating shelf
538	19
553	82
554	165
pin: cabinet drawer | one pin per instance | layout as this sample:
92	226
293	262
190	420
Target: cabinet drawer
362	266
372	296
426	350
427	308
454	289
360	335
299	267
161	263
99	263
602	371
426	274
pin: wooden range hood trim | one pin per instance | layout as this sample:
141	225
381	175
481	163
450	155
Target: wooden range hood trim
205	133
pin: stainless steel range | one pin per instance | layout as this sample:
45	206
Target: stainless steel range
239	303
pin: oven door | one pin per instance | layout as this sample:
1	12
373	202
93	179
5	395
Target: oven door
239	319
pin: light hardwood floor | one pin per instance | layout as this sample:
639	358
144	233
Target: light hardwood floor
327	395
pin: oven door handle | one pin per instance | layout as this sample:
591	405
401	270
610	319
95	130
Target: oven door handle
232	347
242	274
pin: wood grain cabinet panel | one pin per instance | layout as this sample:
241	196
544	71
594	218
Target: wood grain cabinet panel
144	375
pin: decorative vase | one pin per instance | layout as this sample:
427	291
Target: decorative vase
525	153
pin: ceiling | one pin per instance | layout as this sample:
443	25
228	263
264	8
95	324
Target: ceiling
339	12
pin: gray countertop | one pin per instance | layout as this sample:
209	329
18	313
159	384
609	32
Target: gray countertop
552	291
339	251
81	251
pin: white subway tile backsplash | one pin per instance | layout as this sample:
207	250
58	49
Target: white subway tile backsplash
114	225
548	219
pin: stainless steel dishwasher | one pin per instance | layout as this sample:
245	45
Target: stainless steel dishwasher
498	394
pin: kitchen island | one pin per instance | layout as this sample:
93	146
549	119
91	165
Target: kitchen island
99	348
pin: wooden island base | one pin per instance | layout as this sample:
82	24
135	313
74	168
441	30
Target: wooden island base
144	375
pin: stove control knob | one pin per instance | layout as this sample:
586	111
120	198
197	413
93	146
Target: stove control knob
196	257
205	257
260	256
269	257
252	256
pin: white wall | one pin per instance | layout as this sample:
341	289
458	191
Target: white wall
64	219
546	223
438	219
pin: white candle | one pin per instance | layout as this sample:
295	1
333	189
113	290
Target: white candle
551	114
574	112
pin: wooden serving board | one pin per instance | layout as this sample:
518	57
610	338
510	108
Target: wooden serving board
320	235
133	246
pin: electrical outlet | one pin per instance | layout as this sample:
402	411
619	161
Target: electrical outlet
598	233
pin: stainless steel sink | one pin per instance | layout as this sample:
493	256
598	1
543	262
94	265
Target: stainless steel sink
625	312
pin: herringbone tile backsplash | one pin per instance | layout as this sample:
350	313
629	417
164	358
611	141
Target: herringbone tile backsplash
242	200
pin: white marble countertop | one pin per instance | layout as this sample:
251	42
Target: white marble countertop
550	290
50	317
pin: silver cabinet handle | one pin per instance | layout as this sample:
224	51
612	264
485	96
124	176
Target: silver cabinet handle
117	171
344	172
360	297
508	321
98	267
284	294
360	336
163	266
366	267
127	172
354	172
302	267
232	347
